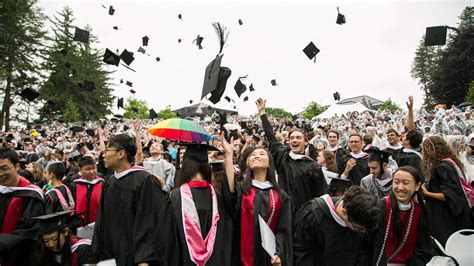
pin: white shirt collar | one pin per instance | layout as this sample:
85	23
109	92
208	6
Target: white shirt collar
404	207
295	156
261	185
359	155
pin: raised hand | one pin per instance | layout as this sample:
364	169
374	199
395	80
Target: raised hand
260	104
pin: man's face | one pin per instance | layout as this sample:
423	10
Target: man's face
392	138
405	142
113	157
332	138
89	171
374	169
355	144
155	149
297	142
8	172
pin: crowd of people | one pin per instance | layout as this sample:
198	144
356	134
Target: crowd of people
359	189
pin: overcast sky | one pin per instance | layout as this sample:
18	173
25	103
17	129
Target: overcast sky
371	54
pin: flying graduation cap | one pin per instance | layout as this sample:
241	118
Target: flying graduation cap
337	96
190	101
120	103
81	35
129	83
240	22
246	98
341	19
145	40
29	94
274	82
157	59
141	50
153	114
227	98
115	27
436	35
251	88
111	58
215	76
239	87
132	91
111	10
311	51
180	17
127	57
198	41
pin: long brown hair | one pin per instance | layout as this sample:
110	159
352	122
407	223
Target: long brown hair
330	160
436	149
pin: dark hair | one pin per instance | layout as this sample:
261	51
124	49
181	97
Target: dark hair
368	139
415	138
243	161
86	161
397	221
356	135
126	143
191	168
392	130
333	131
28	175
270	175
362	207
298	130
12	156
58	169
66	254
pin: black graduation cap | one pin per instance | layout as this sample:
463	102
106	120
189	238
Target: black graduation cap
375	154
198	41
180	17
121	81
215	80
129	83
239	87
132	91
311	51
111	10
111	58
81	35
55	222
29	94
120	103
251	88
436	35
179	40
127	57
240	22
227	98
197	152
341	19
339	184
158	59
246	98
274	82
115	27
141	50
145	40
190	101
337	96
90	132
88	85
153	114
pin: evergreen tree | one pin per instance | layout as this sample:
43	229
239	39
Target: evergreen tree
71	112
21	48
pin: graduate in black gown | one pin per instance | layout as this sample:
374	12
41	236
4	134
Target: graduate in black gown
356	162
19	199
194	228
339	152
58	197
447	205
402	236
258	195
129	208
329	230
410	154
394	147
298	175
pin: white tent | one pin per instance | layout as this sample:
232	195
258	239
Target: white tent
342	109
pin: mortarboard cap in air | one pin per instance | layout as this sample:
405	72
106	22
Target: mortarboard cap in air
111	58
141	50
239	87
246	98
311	51
111	10
115	27
81	35
337	96
436	35
274	82
198	41
129	83
153	114
145	40
120	103
197	152
251	88
127	57
341	19
132	91
240	22
227	98
180	17
179	40
215	80
29	94
158	59
190	101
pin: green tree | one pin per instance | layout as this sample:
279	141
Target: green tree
470	95
451	79
136	109
21	48
278	112
166	113
389	105
313	109
70	64
71	112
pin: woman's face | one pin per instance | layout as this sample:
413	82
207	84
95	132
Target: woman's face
320	146
468	150
404	186
30	167
321	160
51	240
258	159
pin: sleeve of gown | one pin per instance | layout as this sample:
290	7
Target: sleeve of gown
85	255
149	205
319	182
28	227
48	203
284	235
305	236
422	254
167	235
451	188
230	199
97	240
276	148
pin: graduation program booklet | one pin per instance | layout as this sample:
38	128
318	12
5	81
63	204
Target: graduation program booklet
268	238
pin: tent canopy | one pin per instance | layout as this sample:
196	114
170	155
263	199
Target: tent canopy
201	109
342	109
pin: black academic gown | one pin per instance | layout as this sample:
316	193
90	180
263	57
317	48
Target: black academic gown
320	240
359	171
422	253
52	203
409	158
283	234
395	153
170	233
340	154
301	179
127	217
447	217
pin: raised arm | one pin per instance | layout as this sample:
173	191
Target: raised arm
267	127
138	141
228	164
410	123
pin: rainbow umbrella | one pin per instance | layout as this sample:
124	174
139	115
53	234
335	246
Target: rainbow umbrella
180	129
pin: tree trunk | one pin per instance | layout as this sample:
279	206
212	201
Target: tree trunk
5	113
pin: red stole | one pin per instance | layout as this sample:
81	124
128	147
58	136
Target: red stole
74	258
247	223
13	214
83	205
392	243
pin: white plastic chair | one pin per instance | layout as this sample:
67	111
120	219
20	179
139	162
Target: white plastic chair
460	245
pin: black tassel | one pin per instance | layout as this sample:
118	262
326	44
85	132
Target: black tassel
222	34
